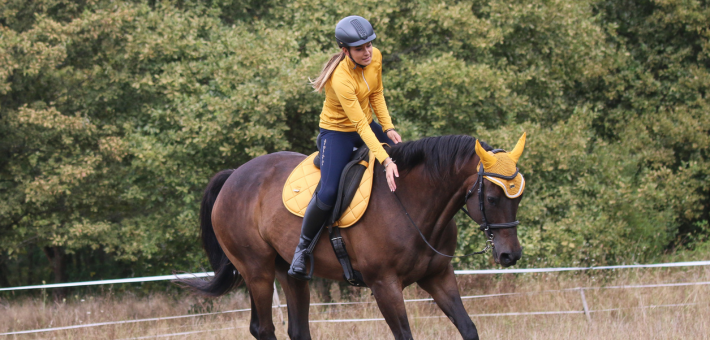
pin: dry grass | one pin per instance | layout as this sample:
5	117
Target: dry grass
620	313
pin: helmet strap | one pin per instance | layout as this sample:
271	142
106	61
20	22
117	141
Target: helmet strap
355	62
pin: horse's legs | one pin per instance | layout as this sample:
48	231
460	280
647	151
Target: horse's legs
443	288
298	301
388	293
260	281
254	322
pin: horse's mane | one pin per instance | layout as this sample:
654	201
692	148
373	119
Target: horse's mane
442	156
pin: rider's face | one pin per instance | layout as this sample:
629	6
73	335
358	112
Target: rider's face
361	54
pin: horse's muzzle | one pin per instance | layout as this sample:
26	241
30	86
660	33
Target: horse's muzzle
509	258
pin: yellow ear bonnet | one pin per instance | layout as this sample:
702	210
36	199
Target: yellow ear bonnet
504	163
518	149
487	158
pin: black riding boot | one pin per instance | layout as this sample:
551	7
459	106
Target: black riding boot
314	218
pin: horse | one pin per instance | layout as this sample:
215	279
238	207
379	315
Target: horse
249	236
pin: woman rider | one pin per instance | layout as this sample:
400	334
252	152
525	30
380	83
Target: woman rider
352	80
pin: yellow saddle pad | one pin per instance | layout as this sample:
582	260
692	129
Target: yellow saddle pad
302	183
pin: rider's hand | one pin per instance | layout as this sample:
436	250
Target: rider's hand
394	136
391	171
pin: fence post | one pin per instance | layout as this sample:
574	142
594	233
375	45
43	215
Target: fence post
277	305
584	304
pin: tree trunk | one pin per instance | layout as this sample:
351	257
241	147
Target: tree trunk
4	273
57	260
31	251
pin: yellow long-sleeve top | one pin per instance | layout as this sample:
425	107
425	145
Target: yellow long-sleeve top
349	94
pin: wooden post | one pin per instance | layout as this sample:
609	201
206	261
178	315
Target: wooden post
584	304
277	305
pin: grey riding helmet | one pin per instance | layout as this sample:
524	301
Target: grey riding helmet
354	31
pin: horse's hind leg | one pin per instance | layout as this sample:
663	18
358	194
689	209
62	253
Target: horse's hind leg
443	288
260	282
298	301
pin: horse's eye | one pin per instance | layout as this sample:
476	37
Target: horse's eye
492	200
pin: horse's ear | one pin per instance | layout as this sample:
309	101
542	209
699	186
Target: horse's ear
487	159
518	150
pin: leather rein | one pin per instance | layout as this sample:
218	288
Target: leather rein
485	226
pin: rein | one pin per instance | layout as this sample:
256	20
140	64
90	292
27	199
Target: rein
485	226
489	242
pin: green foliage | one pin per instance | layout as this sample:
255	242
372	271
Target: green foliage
114	114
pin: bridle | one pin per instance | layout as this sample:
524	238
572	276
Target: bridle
485	226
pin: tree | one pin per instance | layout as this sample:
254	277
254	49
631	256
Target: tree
114	115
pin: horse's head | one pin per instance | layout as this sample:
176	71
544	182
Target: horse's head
495	207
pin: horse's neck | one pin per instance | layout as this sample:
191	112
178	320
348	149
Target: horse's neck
433	202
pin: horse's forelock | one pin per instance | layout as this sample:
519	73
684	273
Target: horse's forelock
442	156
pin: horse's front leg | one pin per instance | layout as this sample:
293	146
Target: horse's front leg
443	288
298	301
388	293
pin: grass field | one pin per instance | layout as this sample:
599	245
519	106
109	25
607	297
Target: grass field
630	313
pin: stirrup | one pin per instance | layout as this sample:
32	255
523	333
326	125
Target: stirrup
306	252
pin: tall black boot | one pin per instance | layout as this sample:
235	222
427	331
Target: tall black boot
313	220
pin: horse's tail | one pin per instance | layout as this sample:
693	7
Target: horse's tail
226	276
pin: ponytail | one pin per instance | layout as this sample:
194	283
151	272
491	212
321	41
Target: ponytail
327	71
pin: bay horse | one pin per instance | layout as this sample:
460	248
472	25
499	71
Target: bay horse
249	235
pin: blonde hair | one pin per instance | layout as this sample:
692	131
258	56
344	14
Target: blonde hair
327	71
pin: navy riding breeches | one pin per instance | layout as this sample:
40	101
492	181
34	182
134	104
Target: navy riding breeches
336	148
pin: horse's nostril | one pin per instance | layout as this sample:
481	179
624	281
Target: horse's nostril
506	259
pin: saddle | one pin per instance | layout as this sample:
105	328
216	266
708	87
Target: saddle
354	190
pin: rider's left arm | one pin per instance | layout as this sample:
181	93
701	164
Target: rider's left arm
377	98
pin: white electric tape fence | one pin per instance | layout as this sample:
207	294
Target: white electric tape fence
278	305
457	272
